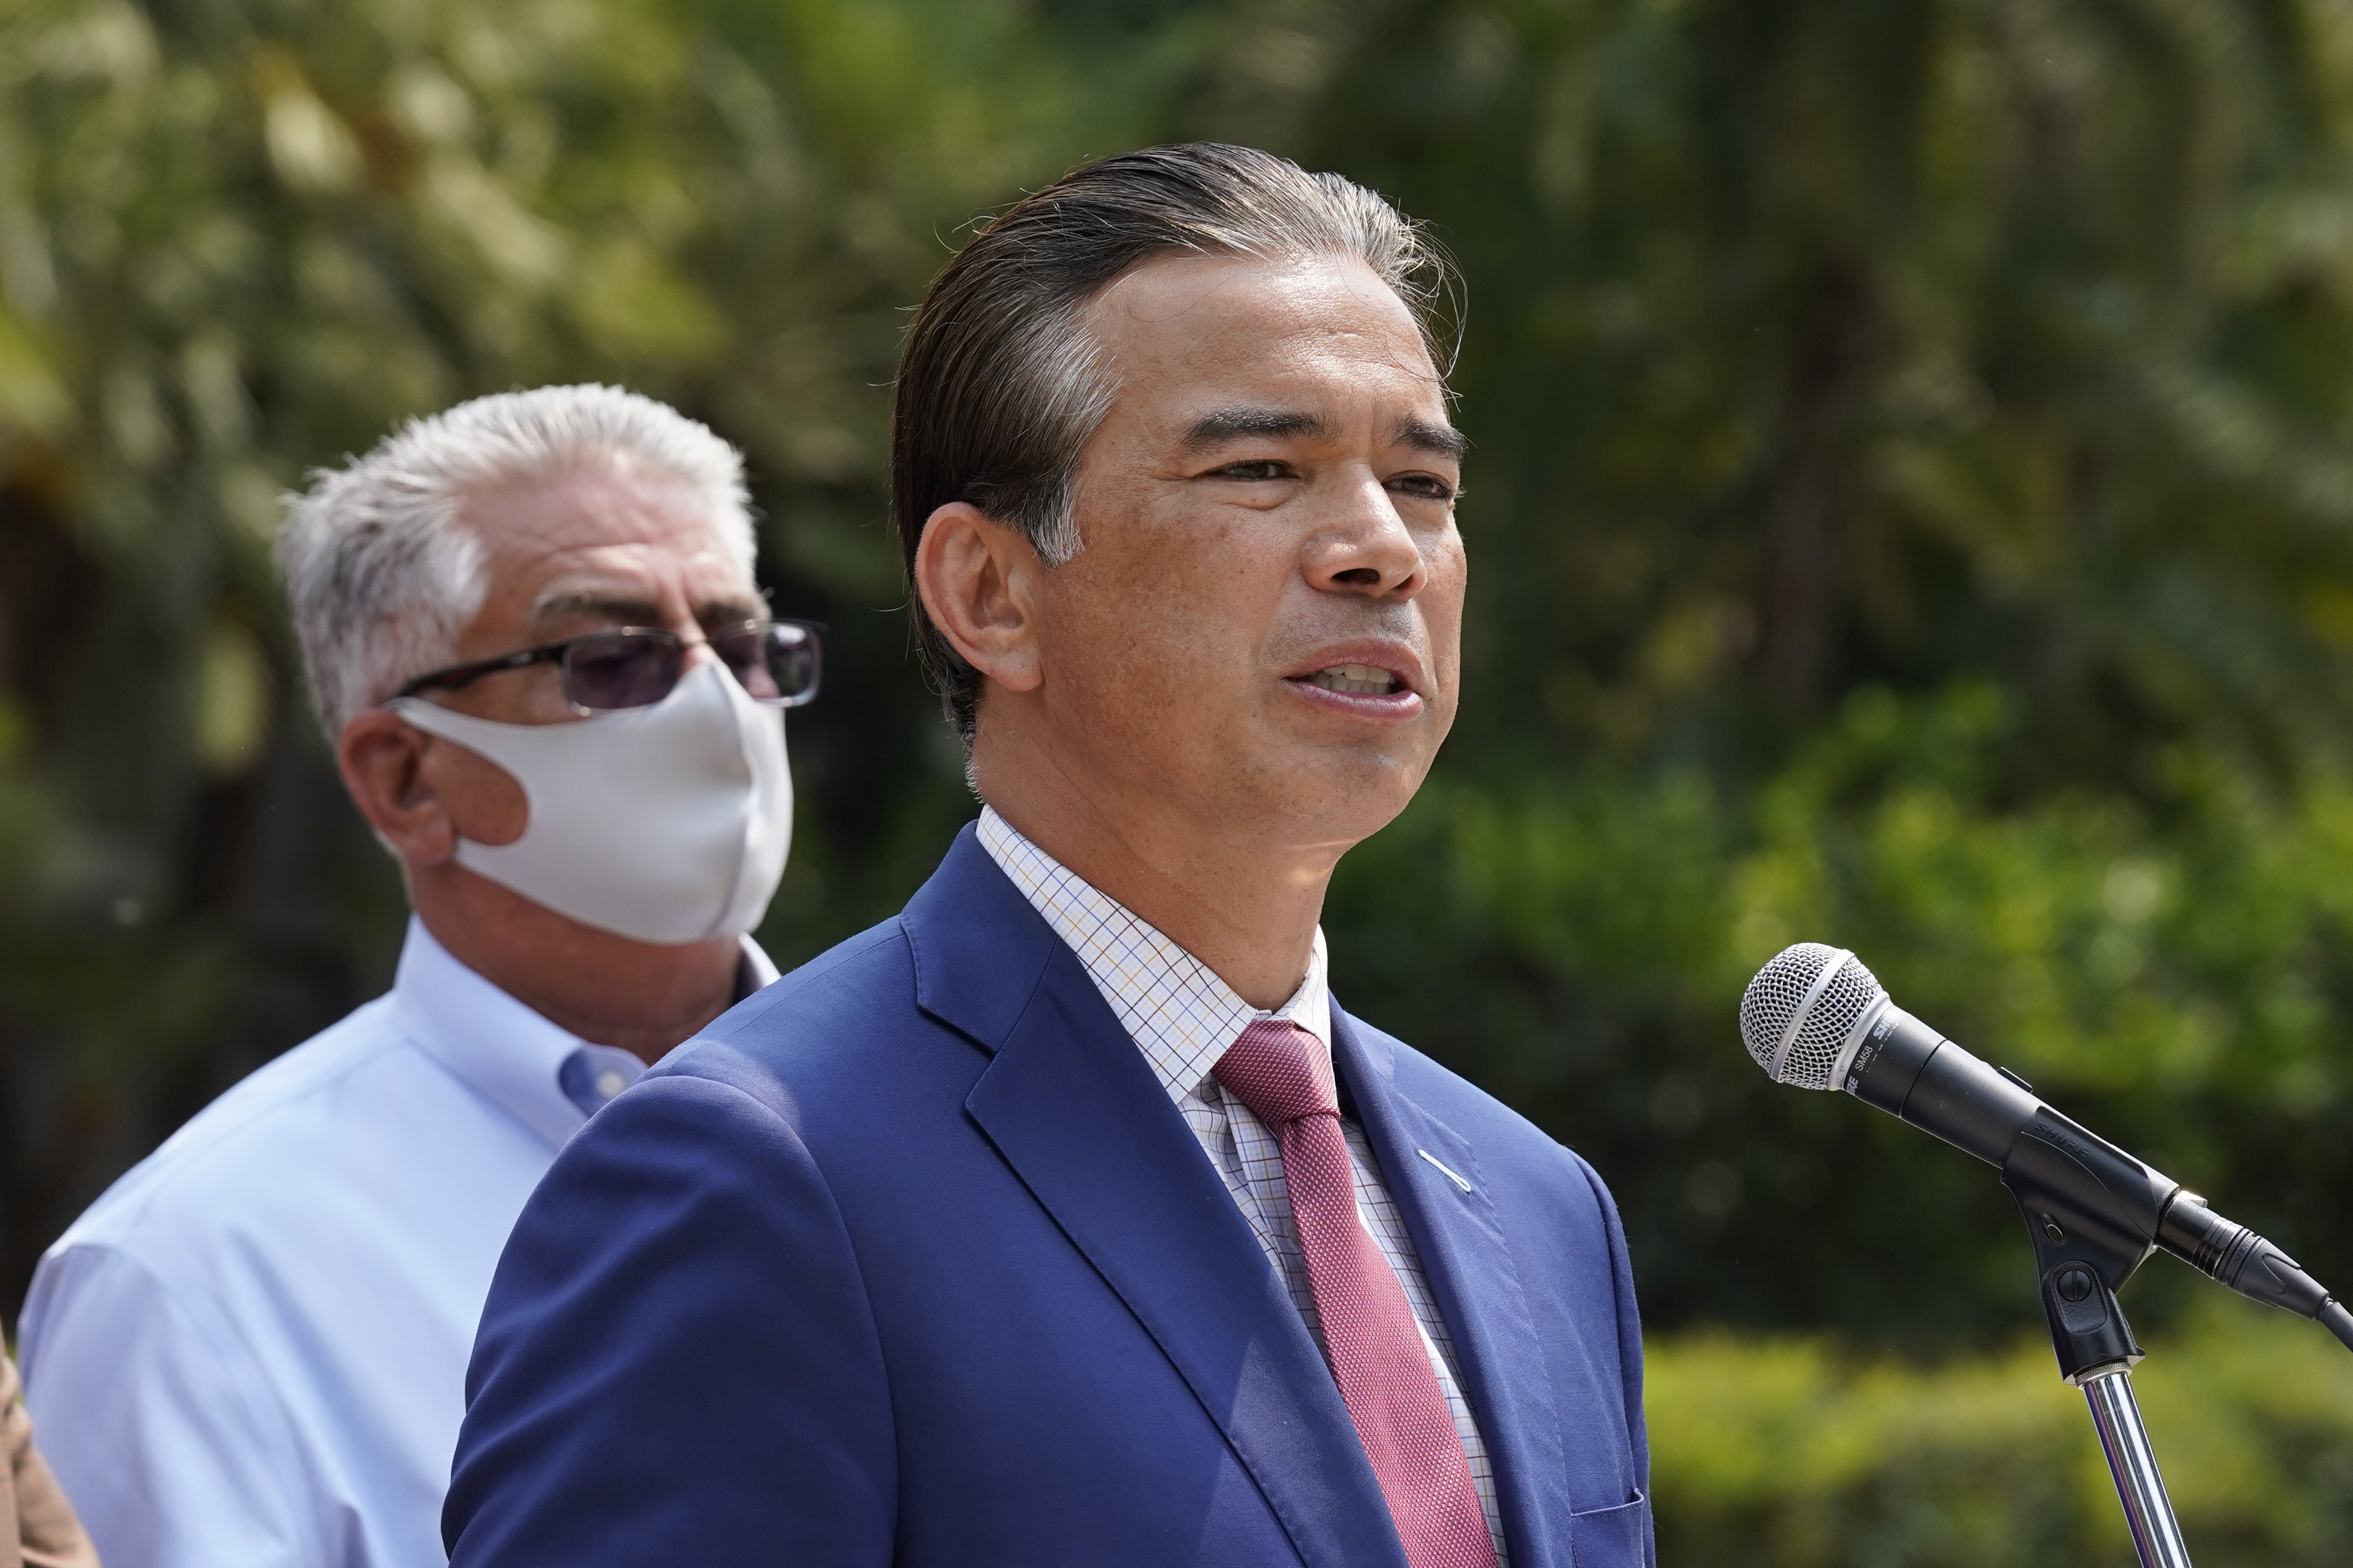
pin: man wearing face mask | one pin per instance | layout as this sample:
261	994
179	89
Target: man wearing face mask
555	694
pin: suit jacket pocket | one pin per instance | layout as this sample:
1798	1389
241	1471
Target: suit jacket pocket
1615	1537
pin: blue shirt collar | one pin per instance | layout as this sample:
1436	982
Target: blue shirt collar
494	1044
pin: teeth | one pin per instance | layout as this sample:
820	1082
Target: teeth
1363	679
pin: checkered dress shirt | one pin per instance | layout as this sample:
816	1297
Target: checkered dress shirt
1182	1017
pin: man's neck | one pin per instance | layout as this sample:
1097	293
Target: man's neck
643	997
1245	908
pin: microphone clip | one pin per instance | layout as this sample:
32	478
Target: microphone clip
2092	1214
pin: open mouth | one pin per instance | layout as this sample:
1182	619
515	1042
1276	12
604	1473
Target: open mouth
1357	679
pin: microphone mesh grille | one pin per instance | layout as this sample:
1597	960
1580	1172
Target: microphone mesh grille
1774	997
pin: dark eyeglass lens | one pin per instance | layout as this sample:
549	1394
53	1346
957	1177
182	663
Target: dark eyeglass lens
793	662
777	663
742	652
620	671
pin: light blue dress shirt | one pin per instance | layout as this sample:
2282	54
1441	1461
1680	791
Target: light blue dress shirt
252	1349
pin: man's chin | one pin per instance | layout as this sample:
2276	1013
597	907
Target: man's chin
1339	794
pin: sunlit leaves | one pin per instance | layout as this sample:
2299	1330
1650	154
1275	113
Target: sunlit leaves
238	242
1786	1453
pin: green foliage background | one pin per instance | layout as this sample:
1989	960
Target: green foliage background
1913	507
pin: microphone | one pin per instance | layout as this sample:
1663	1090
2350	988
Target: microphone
1816	1018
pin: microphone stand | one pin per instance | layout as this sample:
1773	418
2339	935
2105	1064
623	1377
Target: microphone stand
2082	1262
2148	1512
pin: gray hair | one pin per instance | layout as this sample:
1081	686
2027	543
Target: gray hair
383	573
1001	385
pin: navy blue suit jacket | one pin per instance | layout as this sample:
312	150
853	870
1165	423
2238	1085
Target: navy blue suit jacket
910	1260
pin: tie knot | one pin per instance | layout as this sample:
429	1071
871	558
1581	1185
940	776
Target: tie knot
1280	1071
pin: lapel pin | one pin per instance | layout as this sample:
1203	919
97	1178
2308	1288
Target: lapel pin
1441	1165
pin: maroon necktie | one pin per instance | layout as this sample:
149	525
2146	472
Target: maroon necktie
1378	1356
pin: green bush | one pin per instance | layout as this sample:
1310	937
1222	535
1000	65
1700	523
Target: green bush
1793	1453
2175	972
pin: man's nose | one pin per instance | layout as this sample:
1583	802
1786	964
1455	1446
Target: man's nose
1366	548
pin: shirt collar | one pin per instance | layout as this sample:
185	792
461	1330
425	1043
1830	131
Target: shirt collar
1180	1015
496	1046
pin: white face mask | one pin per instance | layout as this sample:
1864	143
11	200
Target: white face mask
667	824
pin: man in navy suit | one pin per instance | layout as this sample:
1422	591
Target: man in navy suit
1065	1219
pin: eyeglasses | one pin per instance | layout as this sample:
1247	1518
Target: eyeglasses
636	666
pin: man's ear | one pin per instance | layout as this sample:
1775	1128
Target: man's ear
383	763
978	581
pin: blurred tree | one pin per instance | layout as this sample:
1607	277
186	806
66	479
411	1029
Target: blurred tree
239	242
1776	1453
1910	509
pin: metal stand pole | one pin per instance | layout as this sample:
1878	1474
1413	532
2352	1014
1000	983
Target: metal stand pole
2082	1261
2148	1512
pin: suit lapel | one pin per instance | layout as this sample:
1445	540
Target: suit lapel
1471	1271
1070	1104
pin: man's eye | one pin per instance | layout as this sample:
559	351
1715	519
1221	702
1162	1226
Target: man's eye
1256	468
1427	485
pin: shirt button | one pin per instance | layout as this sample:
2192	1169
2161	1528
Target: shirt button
610	1083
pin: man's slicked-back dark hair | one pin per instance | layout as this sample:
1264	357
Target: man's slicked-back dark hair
1001	386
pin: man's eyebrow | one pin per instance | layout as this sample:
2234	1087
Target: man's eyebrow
755	608
630	612
1439	440
1224	425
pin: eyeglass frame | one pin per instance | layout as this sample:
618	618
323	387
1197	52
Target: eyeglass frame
457	677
